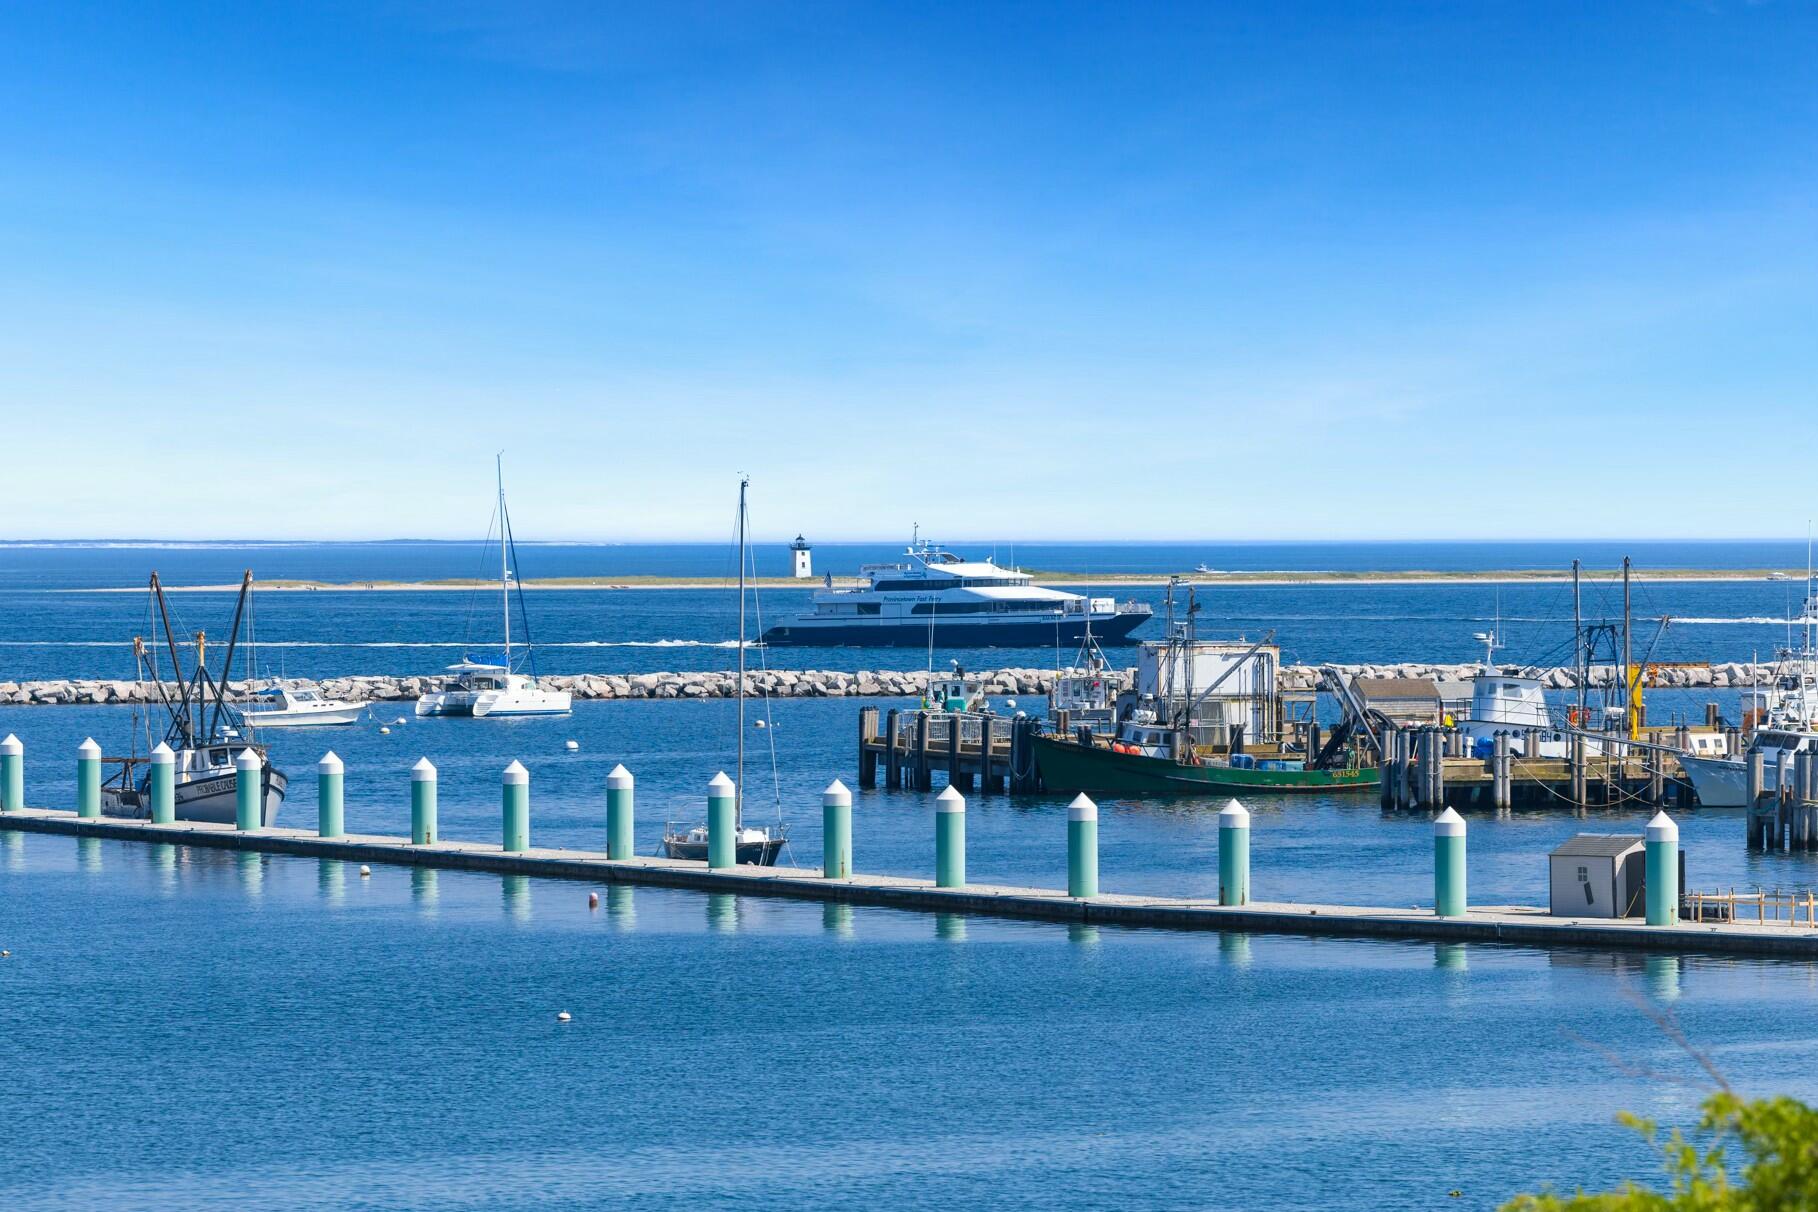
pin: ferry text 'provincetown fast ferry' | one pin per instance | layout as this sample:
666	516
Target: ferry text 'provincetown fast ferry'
938	599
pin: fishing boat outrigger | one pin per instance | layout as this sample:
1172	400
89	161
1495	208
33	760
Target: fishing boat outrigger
205	735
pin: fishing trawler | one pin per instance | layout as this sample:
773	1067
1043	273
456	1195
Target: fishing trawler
204	732
485	690
936	598
753	844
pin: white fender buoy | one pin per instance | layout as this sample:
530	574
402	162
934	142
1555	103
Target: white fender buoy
386	731
758	724
365	871
571	746
562	1016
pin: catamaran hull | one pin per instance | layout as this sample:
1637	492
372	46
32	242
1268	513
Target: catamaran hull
485	706
1724	782
915	633
1067	766
209	801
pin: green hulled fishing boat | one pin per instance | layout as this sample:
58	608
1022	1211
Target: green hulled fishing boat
1067	764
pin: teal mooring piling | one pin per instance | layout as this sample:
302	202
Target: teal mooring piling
1234	855
620	834
423	803
163	785
1663	870
88	779
1082	846
331	780
950	840
836	831
515	796
722	822
12	774
248	781
1449	864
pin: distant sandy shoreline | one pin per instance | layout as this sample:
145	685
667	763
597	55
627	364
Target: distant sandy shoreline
1082	581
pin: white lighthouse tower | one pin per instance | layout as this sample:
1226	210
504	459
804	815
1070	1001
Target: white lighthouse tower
801	557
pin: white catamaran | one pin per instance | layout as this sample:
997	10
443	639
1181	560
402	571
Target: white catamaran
482	689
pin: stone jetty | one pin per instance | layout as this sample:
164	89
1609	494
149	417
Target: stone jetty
825	683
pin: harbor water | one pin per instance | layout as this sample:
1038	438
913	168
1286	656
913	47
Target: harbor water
201	1029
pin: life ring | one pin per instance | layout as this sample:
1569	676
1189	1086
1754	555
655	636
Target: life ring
1574	717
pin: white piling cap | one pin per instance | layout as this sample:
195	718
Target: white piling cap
423	772
162	756
246	759
1234	816
1449	824
619	778
516	774
12	746
836	794
88	751
1662	829
720	787
330	764
950	801
1082	808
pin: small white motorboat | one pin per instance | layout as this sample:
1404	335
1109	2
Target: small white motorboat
298	707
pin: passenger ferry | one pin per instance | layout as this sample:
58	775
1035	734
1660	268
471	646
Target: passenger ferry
937	598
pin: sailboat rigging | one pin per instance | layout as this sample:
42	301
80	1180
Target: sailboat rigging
483	689
757	845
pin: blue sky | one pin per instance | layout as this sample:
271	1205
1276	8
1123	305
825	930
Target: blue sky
1050	270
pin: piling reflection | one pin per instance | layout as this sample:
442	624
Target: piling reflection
1234	948
1450	956
722	912
514	895
88	855
1083	933
423	890
251	870
950	927
621	906
12	850
331	880
164	866
836	919
1662	977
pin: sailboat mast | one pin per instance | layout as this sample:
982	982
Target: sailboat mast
1628	690
504	570
738	801
1578	653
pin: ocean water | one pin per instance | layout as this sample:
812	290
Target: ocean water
50	627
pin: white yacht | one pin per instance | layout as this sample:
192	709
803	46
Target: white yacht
485	690
1723	782
283	706
938	598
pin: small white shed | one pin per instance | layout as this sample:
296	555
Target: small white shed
1598	875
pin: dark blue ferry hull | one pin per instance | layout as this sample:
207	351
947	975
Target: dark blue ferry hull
958	633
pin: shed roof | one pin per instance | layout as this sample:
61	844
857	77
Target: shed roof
1598	845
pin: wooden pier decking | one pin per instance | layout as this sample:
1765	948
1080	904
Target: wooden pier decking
1518	925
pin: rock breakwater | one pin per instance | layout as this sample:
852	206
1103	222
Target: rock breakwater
823	683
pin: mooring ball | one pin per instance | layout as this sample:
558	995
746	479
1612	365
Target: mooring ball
593	900
385	730
365	870
563	1016
573	745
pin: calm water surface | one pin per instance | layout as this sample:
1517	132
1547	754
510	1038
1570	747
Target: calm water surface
194	1029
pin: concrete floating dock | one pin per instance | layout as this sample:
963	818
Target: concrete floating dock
1515	925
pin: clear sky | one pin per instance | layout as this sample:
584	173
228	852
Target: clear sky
1049	270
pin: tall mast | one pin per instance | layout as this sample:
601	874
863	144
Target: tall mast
738	802
1628	709
504	570
1578	654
